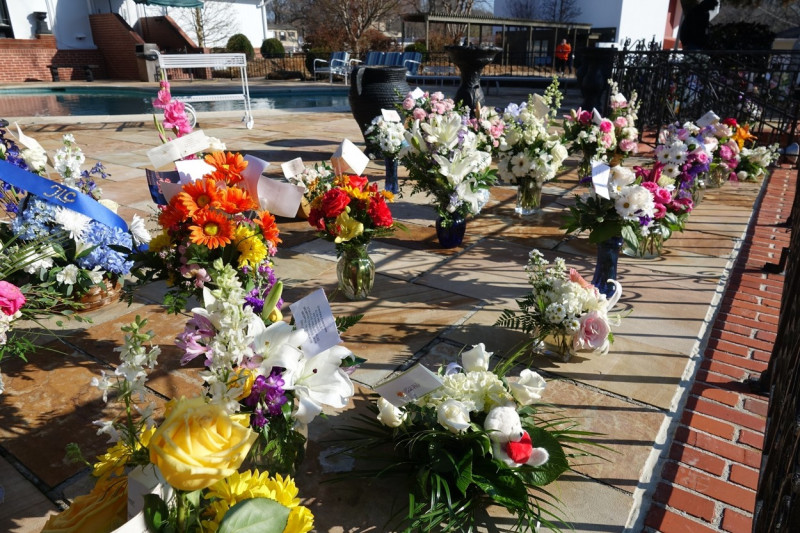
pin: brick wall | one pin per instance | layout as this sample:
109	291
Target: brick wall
27	59
117	42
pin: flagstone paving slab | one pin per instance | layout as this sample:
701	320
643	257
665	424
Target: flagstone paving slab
22	506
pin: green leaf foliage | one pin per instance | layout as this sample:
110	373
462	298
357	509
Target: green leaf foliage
256	515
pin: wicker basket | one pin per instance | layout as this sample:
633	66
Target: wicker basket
100	295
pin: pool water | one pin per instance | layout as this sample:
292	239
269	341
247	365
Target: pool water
73	101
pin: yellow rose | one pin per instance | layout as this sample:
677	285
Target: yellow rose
198	444
101	511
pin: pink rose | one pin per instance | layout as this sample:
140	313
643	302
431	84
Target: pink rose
419	114
606	125
628	145
725	152
11	298
438	95
682	204
584	117
621	122
593	333
662	195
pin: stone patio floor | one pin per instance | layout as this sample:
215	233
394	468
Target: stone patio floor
683	433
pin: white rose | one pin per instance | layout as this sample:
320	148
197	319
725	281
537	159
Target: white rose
389	415
528	388
215	145
453	415
476	359
111	205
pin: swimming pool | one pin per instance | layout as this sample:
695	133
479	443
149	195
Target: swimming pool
79	101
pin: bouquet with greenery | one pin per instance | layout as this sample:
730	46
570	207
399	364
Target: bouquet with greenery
190	463
443	159
385	137
211	218
564	307
628	211
352	212
260	367
83	252
754	162
480	438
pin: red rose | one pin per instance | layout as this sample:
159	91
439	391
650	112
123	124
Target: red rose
357	182
730	122
334	202
379	213
316	219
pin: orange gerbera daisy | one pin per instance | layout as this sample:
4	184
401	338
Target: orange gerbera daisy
211	229
198	195
229	166
268	227
172	215
235	200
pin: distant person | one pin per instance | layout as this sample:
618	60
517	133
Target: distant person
693	32
563	51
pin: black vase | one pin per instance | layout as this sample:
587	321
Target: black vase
391	184
373	89
451	233
605	268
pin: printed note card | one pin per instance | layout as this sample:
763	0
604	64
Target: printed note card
313	314
410	385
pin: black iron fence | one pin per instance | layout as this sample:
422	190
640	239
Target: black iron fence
761	88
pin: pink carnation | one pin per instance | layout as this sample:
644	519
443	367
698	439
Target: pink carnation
621	122
11	298
408	103
419	114
628	145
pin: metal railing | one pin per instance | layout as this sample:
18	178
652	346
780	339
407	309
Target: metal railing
756	87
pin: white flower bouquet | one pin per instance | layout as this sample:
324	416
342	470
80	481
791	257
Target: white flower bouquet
565	307
443	159
385	137
481	438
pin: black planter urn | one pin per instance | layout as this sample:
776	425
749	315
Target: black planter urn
373	89
470	61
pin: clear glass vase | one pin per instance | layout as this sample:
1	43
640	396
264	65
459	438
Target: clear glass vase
557	345
717	176
529	196
355	271
649	247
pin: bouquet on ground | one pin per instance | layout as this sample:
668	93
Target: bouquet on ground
480	438
754	162
265	369
84	243
214	217
529	155
627	211
563	308
684	160
444	162
178	476
720	139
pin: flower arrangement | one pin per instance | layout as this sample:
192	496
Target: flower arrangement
263	370
352	212
443	159
753	162
85	251
211	218
529	155
385	137
719	138
192	459
684	159
480	438
564	307
628	211
598	138
489	127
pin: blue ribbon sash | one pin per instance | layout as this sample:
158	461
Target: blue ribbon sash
60	195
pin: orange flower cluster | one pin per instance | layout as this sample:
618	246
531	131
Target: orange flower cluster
213	213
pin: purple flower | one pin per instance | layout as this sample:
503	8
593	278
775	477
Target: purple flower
258	420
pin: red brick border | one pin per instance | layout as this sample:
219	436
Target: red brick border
709	479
